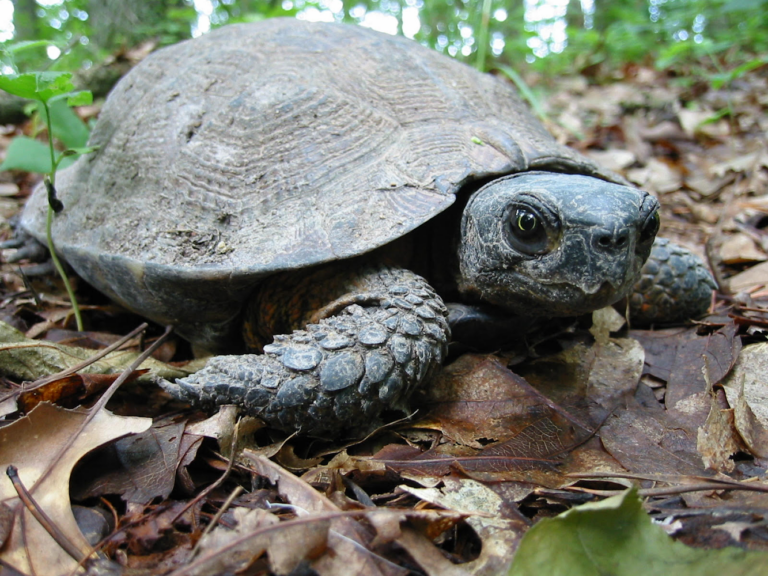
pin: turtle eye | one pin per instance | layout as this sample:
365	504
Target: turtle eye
650	228
526	231
526	223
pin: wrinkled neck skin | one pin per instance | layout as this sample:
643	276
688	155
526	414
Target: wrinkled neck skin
547	245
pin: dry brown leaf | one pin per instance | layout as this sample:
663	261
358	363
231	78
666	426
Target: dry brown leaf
31	444
227	550
222	427
745	389
477	398
739	249
139	468
70	390
656	176
309	501
497	463
743	163
717	440
754	277
430	558
644	440
349	541
691	433
488	515
699	364
613	159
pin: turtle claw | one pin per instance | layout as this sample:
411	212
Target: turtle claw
27	247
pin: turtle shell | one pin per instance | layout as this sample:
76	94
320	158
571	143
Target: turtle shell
274	146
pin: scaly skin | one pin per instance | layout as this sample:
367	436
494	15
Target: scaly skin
337	375
675	285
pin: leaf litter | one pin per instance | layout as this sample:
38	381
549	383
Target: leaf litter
502	445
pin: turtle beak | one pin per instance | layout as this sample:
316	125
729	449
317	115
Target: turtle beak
605	259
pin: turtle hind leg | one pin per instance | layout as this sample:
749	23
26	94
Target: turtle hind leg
675	285
335	376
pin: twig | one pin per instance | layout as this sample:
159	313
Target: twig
670	490
218	482
77	367
43	518
215	520
88	361
195	565
704	484
102	402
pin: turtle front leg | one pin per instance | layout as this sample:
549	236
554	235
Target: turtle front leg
376	344
675	285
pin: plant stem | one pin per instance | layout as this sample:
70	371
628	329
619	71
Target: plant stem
482	37
49	223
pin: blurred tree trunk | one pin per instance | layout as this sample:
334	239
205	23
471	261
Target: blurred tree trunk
127	22
24	20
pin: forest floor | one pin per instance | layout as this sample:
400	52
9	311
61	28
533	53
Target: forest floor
500	442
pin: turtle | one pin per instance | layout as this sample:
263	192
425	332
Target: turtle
304	198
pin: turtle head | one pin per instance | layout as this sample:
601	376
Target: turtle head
547	244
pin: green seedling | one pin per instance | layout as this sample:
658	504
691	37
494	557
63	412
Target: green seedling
52	92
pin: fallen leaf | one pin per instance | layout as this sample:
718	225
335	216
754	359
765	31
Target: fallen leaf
740	248
616	537
615	159
227	550
138	468
742	163
735	529
348	540
717	440
745	389
477	399
31	444
25	359
69	391
751	278
645	440
656	176
700	363
488	515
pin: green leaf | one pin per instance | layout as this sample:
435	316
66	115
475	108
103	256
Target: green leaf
26	45
80	98
31	155
27	154
50	84
22	85
37	85
66	124
616	537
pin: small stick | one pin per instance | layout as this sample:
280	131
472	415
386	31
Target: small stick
215	520
218	482
102	402
90	360
40	515
87	362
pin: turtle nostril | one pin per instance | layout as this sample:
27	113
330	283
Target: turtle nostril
604	241
608	240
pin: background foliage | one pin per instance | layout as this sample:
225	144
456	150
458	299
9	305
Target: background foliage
548	36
